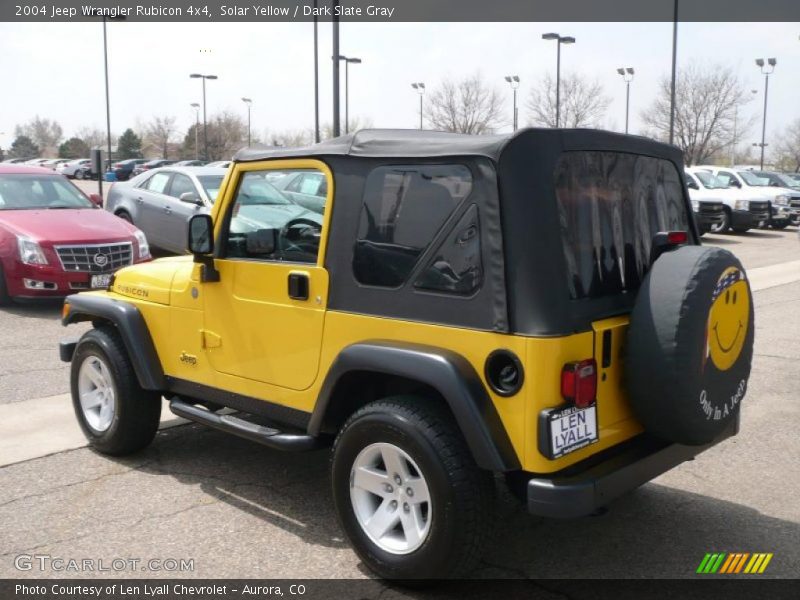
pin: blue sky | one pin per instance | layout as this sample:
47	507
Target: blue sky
56	70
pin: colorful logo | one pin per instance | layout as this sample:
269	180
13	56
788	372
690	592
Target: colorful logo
734	563
728	319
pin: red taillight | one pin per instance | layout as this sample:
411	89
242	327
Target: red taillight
579	382
677	237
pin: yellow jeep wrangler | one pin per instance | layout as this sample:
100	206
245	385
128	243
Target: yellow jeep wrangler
438	309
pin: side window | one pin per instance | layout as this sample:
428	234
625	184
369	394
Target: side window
726	178
180	185
456	266
404	208
157	183
267	224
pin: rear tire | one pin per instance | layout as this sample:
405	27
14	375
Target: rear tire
78	174
116	415
417	439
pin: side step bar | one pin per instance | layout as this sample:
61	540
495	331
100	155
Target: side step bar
267	436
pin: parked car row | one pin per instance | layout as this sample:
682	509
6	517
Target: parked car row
739	199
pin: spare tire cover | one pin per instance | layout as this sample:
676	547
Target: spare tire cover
690	345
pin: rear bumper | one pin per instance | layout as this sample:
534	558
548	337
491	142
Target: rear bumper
581	493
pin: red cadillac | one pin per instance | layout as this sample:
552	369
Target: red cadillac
54	240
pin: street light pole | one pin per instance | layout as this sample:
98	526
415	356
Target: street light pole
196	108
316	76
205	122
249	102
767	70
108	98
513	81
674	74
560	39
420	88
335	57
347	61
627	76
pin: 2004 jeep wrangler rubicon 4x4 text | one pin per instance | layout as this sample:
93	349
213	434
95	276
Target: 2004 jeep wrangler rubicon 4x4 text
535	304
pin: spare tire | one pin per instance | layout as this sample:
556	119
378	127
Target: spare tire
690	345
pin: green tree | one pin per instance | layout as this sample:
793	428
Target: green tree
74	147
188	148
129	145
23	147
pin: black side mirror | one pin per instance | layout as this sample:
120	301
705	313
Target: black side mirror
201	235
201	244
191	198
692	185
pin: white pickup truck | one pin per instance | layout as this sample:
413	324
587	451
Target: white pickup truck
757	189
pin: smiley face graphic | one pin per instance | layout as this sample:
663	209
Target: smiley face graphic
728	319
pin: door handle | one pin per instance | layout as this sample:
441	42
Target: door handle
139	200
298	286
168	210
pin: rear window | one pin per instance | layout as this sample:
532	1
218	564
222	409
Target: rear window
610	206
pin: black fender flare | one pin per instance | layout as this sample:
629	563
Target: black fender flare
449	373
132	328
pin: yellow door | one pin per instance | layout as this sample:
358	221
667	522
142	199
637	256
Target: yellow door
264	317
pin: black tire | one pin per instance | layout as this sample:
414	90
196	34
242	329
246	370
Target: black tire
725	224
4	297
462	495
740	229
781	225
684	385
78	174
136	411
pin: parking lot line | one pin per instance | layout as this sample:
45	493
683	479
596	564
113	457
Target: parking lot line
763	278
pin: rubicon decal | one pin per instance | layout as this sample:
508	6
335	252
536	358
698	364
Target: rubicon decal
734	563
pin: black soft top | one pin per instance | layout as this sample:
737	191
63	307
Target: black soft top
525	287
413	143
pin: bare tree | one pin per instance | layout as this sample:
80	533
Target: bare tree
159	132
465	106
787	149
227	133
92	136
45	133
583	102
707	99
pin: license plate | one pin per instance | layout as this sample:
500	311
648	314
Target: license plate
100	281
570	429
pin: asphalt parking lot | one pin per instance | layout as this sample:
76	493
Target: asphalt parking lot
240	510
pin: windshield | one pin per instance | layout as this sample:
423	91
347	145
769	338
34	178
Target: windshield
777	179
25	192
709	181
751	178
211	184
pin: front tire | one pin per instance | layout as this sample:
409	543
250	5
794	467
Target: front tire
408	492
723	225
4	297
78	174
116	415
